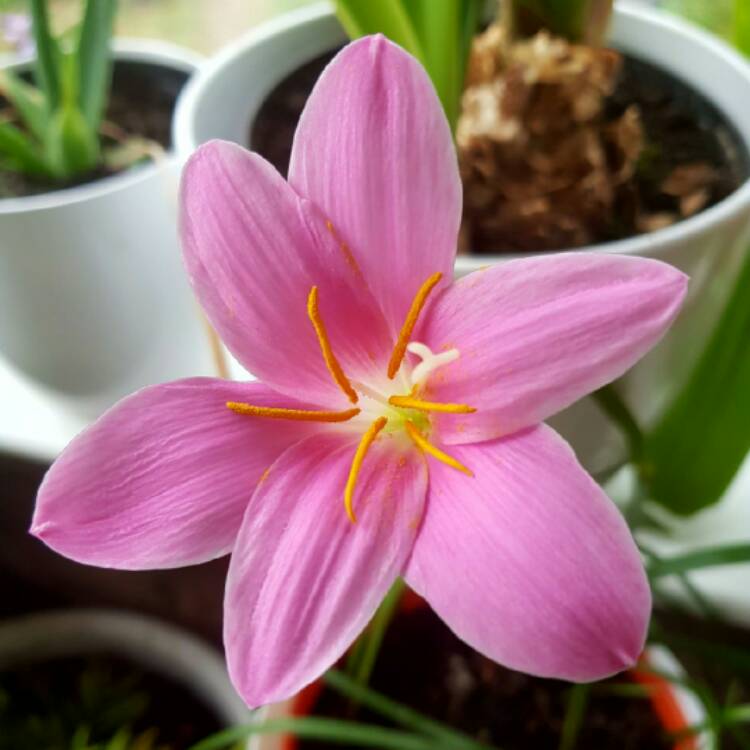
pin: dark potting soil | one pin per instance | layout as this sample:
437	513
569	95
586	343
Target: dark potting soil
44	705
422	664
141	103
681	128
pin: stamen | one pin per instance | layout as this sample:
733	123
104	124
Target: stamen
364	445
301	415
427	447
411	320
408	402
325	347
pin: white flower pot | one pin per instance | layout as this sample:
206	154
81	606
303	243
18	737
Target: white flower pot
148	643
225	96
93	297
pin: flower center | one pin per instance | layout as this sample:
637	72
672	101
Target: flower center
383	411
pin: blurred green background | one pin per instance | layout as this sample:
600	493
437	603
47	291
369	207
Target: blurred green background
203	25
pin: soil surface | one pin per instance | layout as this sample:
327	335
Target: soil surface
424	665
141	104
681	128
43	706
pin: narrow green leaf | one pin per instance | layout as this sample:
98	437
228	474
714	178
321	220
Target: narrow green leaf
27	101
45	69
704	558
399	713
439	25
575	710
700	442
331	730
387	17
94	59
618	411
72	147
20	152
372	638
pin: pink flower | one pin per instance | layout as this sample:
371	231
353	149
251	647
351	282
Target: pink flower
397	428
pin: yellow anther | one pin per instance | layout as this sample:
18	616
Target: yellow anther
325	347
411	320
301	415
408	402
427	447
364	445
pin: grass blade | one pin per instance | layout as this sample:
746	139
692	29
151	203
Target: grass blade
94	59
45	70
575	710
387	17
331	730
704	558
398	713
27	101
20	152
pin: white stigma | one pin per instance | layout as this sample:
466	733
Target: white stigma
430	361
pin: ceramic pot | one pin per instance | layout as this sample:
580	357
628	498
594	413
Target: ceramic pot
144	641
94	301
225	96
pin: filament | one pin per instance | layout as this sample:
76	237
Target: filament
427	447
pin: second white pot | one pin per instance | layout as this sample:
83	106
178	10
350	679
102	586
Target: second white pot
225	96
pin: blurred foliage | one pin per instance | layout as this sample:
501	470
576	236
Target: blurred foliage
729	19
74	705
437	32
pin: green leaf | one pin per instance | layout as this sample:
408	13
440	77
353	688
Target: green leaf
331	730
363	657
575	711
399	713
700	442
439	25
72	147
613	405
387	17
703	558
95	60
47	53
21	153
27	101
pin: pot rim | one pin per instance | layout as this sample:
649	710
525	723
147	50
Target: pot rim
144	640
726	210
154	52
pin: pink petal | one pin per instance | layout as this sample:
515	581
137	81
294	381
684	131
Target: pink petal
529	562
163	478
537	334
374	150
303	580
254	250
